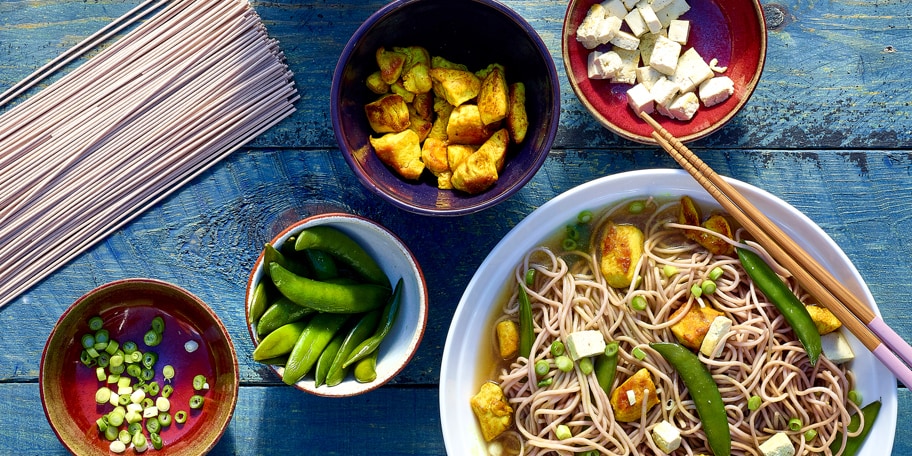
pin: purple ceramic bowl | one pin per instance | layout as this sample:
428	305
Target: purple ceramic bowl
475	33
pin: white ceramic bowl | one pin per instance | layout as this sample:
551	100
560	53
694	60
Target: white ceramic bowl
397	261
459	372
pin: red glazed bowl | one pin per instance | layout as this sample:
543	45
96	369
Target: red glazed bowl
127	308
732	31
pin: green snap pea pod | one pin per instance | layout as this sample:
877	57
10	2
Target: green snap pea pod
279	342
259	302
280	313
310	344
326	358
327	296
366	368
794	312
853	444
705	394
322	264
526	327
272	255
370	344
359	333
340	245
606	367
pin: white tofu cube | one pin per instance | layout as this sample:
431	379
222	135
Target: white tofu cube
582	344
603	65
629	4
631	61
658	5
691	71
673	11
718	328
664	91
836	347
639	98
626	41
778	445
635	22
679	31
650	18
684	107
666	436
614	8
588	31
647	44
665	55
648	76
716	90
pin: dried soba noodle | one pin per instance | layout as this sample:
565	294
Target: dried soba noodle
185	88
760	357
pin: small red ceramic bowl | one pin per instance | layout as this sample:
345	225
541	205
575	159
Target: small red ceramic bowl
397	261
732	31
127	308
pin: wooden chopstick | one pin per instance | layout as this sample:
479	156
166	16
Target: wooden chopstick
870	329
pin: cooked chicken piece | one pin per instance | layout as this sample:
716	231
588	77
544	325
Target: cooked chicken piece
376	84
465	126
517	118
690	215
400	151
824	319
621	248
419	125
507	338
391	64
457	153
691	330
480	170
642	388
492	97
389	114
492	410
456	86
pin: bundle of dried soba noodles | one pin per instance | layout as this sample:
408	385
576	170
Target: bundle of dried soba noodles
184	88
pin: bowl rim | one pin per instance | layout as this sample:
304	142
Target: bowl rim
423	298
749	88
671	182
362	175
126	283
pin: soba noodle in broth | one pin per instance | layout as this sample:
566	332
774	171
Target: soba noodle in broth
760	354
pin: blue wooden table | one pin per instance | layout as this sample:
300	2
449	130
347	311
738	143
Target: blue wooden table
829	130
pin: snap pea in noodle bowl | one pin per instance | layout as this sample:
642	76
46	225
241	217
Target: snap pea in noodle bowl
767	384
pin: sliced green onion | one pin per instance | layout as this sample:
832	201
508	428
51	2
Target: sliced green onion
152	338
129	347
180	417
147	374
715	273
638	303
669	270
95	323
165	419
794	424
139	440
754	403
167	390
154	388
135	357
162	404
638	353
85	359
103	395
100	374
102	424
103	359
196	401
708	287
88	341
564	363
584	216
586	366
562	432
168	372
541	368
112	347
149	359
199	382
117	446
810	435
696	291
572	232
545	382
111	433
158	325
156	440
611	349
190	346
102	336
569	244
636	207
134	428
557	348
133	370
124	436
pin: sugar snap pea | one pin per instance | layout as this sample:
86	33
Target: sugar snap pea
370	345
325	296
526	328
606	367
794	312
704	392
310	344
359	333
272	255
258	303
280	313
853	444
279	342
366	368
342	246
326	358
322	264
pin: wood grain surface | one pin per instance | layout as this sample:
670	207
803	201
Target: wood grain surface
829	130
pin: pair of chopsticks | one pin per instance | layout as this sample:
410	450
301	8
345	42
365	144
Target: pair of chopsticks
886	345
